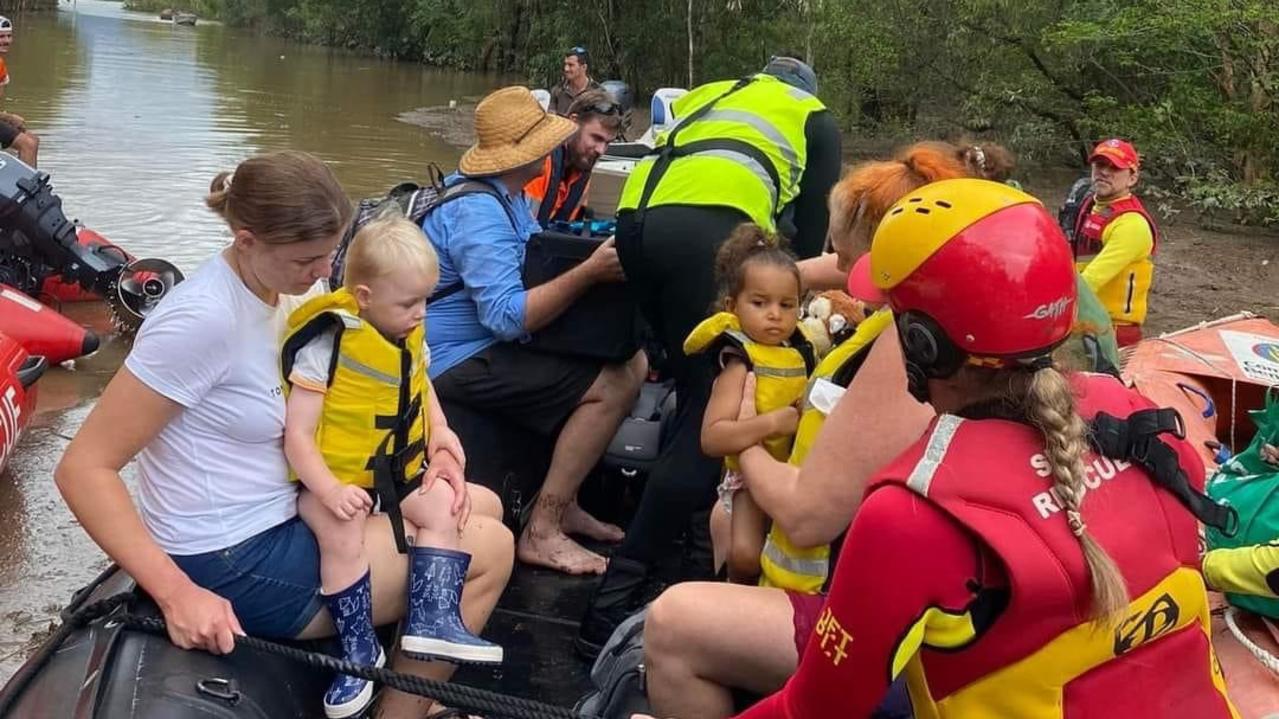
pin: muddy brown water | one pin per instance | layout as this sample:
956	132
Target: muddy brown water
135	117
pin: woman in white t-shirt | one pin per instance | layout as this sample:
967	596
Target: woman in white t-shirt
214	537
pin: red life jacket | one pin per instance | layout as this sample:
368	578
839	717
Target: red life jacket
1089	225
1042	656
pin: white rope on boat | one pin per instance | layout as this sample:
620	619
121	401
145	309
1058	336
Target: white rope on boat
1268	660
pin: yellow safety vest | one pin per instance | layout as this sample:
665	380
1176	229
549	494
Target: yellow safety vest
747	151
785	565
375	405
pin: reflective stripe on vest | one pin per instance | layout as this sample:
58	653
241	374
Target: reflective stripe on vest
1041	657
797	570
746	150
374	387
921	478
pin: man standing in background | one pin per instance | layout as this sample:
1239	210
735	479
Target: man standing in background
577	80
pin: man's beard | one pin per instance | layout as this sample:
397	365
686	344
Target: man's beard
579	161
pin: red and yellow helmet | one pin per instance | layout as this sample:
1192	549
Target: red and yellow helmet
983	261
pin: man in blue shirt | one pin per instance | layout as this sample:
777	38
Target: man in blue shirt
475	334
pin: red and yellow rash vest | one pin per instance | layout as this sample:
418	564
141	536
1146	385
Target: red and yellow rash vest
961	574
1114	248
377	390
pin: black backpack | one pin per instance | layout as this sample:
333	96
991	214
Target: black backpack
618	676
1068	214
415	202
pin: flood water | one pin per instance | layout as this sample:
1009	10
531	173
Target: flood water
136	116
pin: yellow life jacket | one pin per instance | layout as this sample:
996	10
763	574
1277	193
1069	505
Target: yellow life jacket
783	564
781	372
374	408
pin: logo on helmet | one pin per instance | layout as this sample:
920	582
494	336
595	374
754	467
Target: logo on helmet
1051	310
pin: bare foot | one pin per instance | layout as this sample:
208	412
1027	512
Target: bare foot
577	521
554	549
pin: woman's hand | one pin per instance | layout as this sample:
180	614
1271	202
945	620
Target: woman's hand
444	439
200	619
444	466
747	409
347	501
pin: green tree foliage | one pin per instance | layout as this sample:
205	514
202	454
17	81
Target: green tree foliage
1192	82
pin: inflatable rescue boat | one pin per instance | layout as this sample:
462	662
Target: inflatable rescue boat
1213	374
41	330
18	374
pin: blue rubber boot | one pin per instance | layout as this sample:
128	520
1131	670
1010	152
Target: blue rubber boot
352	612
435	629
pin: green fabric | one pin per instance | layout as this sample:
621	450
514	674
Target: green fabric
1251	485
1092	321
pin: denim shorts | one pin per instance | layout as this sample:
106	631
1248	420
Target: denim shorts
272	579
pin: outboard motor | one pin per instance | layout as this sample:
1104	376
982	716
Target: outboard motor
38	241
621	94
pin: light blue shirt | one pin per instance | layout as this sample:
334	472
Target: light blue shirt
475	242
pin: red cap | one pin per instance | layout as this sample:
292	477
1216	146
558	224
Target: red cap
860	284
1119	153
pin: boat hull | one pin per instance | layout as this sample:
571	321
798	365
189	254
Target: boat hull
18	374
42	331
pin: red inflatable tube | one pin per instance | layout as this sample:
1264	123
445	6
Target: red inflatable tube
42	331
55	288
18	373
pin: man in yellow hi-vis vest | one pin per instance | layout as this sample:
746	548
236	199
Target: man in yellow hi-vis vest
762	149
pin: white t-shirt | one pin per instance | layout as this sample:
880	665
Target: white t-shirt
216	475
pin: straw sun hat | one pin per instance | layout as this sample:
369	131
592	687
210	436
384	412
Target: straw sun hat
512	130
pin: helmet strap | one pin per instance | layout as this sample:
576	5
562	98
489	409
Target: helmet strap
928	352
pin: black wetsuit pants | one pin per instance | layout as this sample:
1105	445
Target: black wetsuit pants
669	263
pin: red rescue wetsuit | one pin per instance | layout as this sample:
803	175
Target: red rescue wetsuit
922	588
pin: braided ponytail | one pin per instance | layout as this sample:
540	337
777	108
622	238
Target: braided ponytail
1050	406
